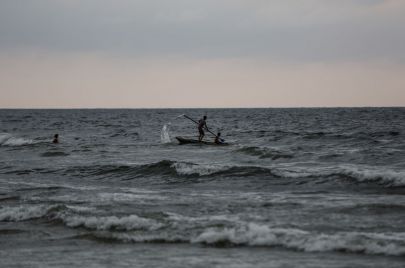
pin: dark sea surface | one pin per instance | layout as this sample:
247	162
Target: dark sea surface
296	188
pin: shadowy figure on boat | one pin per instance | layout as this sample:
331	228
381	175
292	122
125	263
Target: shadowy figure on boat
202	124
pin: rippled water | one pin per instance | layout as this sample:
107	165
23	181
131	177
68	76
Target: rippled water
296	187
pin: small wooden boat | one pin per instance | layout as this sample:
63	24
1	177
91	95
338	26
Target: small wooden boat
193	141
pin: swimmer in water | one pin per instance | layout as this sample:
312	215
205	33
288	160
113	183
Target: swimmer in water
55	138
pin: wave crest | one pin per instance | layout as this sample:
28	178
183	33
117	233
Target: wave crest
162	170
23	213
228	231
126	223
168	168
353	174
264	153
384	177
260	235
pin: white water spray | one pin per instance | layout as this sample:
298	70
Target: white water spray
164	135
7	139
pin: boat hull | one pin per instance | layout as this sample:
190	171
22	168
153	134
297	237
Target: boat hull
192	141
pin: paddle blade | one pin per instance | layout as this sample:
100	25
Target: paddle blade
182	115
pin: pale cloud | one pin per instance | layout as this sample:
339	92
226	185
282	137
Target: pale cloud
137	53
310	30
76	80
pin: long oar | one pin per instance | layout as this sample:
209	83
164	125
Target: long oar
197	124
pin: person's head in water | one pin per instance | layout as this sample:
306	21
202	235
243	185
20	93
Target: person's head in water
56	138
219	134
205	117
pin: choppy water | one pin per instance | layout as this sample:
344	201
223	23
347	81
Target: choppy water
296	187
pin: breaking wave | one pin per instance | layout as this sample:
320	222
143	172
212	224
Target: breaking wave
166	168
355	174
217	231
261	235
384	177
126	223
349	173
255	235
67	214
194	169
23	213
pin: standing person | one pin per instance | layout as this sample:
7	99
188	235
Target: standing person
202	123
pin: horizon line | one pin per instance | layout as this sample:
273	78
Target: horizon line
173	108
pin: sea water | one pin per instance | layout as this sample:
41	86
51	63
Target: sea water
296	188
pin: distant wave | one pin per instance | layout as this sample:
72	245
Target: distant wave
254	235
173	170
23	213
313	135
376	208
262	152
350	173
383	177
125	171
188	169
54	154
167	168
354	174
32	212
127	223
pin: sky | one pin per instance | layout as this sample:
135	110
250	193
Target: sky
201	53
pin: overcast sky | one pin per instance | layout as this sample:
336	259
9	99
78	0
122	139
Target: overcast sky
208	53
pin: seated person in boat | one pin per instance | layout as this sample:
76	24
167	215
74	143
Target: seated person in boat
218	139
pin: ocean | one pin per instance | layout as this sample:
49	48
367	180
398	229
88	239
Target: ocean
295	188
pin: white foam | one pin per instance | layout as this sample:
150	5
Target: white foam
80	208
390	177
18	142
23	213
190	168
126	197
145	238
181	218
127	223
358	173
392	244
261	235
4	137
301	172
7	139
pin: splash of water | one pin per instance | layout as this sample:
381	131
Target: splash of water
164	135
7	139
